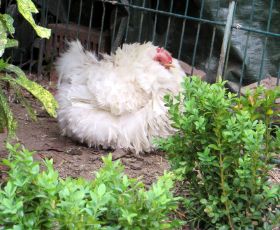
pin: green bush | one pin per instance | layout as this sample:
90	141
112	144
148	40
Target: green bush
31	199
222	150
14	76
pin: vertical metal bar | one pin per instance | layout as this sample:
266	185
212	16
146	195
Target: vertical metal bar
122	29
265	42
246	47
31	53
227	57
183	30
79	18
225	40
20	60
127	24
211	48
42	41
197	36
213	39
55	29
141	22
47	12
168	24
115	25
229	45
102	27
90	24
68	17
155	23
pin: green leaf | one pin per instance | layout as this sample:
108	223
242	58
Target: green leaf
30	111
10	189
6	26
19	95
224	199
11	43
6	116
215	147
26	8
8	22
203	201
101	190
3	65
3	38
40	93
44	96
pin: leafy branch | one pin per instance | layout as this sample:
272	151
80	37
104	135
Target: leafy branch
14	76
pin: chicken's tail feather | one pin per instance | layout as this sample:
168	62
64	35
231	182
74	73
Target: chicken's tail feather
74	60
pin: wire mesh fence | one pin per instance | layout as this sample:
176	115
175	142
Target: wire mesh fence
239	41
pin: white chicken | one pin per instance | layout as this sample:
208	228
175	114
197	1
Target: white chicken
116	102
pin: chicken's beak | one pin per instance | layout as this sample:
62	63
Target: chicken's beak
169	65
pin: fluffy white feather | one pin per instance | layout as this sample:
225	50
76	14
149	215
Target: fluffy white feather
116	102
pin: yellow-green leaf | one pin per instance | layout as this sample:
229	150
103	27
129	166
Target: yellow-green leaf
18	92
8	21
40	93
43	95
269	112
26	8
6	26
6	116
11	43
3	38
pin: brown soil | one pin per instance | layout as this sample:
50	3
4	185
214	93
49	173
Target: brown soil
73	159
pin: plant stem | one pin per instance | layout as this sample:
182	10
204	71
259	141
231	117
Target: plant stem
223	190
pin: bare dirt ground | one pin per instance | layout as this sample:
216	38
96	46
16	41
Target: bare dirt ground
73	159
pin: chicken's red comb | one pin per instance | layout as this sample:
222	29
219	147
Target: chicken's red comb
164	51
164	54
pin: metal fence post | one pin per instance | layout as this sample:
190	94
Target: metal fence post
226	39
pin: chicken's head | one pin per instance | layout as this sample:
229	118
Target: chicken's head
163	57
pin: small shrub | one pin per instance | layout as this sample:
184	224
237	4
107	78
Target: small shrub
222	148
41	200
